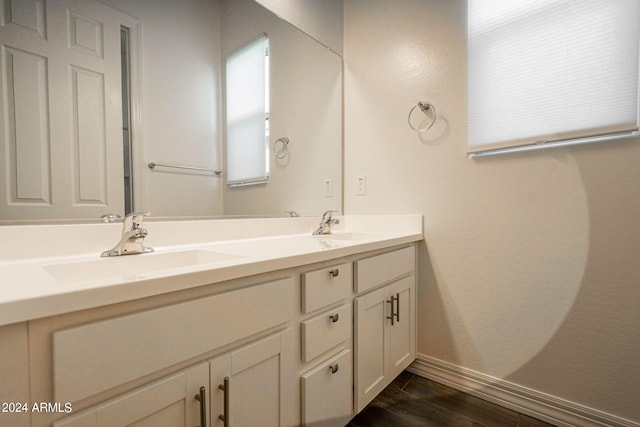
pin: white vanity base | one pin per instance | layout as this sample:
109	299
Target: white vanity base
291	322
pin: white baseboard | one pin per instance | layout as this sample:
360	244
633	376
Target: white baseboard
545	407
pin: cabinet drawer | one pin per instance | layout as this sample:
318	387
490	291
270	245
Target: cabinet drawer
96	357
325	331
327	398
326	286
379	269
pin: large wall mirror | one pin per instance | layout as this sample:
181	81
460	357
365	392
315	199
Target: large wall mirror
93	92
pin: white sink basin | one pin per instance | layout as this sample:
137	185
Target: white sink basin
132	266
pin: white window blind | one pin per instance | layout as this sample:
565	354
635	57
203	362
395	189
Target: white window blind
547	71
247	113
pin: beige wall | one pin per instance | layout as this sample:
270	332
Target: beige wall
322	20
530	271
180	104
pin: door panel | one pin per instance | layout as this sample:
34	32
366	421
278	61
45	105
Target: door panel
254	378
89	144
401	334
255	395
61	93
370	348
27	137
25	15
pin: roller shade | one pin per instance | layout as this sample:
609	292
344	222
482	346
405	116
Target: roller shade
247	114
543	71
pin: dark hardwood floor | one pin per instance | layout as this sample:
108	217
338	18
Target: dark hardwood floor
415	401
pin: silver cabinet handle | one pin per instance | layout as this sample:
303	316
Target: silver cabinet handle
333	368
224	417
392	317
202	398
334	317
334	272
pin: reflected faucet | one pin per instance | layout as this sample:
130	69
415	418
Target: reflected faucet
132	240
326	223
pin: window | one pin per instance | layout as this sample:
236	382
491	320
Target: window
247	113
551	72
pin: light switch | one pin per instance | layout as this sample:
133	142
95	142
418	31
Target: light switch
328	187
361	185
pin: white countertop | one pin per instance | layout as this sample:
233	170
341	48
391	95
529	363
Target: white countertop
59	279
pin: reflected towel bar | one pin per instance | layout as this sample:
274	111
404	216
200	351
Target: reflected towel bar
152	165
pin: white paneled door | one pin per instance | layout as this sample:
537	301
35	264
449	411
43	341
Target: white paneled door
61	151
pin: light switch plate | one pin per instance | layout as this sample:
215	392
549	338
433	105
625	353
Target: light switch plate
361	185
328	187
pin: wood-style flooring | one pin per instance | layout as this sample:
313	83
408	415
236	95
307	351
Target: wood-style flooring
414	401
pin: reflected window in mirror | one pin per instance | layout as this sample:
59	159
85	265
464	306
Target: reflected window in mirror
247	114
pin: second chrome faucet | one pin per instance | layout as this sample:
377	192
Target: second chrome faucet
326	223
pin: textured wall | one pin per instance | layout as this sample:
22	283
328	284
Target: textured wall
530	271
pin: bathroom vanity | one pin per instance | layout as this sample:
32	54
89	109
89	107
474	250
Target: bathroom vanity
252	327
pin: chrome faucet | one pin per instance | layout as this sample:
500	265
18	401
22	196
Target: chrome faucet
326	223
132	240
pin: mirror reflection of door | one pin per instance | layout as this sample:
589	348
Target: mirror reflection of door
62	152
126	120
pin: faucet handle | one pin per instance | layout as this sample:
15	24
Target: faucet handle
328	215
133	221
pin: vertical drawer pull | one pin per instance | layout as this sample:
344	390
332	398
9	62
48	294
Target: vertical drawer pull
393	315
334	317
201	397
333	368
334	272
397	307
224	417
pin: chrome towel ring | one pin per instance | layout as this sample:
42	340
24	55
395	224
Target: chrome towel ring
282	151
424	107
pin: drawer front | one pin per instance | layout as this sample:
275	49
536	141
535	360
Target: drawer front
326	286
96	357
325	331
379	269
327	398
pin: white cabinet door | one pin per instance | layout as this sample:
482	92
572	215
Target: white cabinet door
384	341
402	343
62	150
171	401
370	346
246	385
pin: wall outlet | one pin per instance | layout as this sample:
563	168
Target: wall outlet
361	185
327	184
